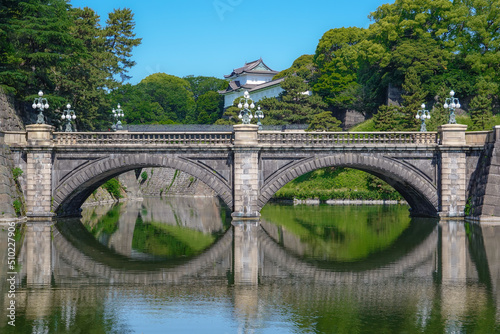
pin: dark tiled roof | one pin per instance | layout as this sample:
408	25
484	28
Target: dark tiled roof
249	67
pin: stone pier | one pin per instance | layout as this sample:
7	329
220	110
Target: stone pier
246	171
453	170
39	172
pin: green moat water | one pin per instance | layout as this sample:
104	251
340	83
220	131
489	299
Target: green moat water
179	266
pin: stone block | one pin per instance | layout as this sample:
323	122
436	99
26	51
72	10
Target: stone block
488	210
452	134
494	170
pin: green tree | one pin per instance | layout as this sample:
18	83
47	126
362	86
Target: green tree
38	38
414	34
139	107
275	111
413	98
439	115
324	121
65	52
173	94
209	107
120	40
302	67
230	116
336	60
388	118
294	106
87	72
480	112
201	85
477	39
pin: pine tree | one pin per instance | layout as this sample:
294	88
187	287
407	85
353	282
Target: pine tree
293	106
480	112
324	122
412	100
38	37
439	115
120	40
387	118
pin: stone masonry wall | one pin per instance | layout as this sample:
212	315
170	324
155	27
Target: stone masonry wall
9	119
484	187
8	191
170	182
160	182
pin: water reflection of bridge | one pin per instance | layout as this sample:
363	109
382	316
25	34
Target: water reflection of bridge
248	253
445	264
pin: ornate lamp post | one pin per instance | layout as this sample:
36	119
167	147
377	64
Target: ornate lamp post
423	114
245	113
260	115
40	103
117	114
68	115
452	103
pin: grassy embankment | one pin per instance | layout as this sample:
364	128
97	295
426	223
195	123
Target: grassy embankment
337	183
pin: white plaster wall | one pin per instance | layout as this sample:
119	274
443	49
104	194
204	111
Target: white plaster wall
257	96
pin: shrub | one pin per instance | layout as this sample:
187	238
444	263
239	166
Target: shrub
17	207
16	172
113	187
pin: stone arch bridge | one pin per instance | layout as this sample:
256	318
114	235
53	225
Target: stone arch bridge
438	173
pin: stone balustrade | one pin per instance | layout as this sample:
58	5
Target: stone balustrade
300	138
345	138
143	138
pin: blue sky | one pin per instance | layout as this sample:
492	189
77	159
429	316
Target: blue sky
211	37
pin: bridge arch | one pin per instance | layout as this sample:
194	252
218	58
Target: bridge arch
415	187
76	186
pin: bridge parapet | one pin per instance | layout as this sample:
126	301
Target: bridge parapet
346	138
144	138
15	138
472	138
479	137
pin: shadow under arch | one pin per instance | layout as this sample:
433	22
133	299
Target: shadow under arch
77	186
415	187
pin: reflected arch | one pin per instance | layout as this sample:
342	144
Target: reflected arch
99	265
75	247
415	187
75	187
421	257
